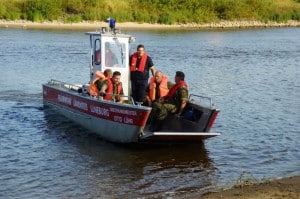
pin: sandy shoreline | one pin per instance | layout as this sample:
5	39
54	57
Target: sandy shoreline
143	26
276	189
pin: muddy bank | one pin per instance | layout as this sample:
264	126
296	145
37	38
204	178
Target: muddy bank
275	189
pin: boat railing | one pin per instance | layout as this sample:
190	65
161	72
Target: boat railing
128	101
201	100
83	89
64	85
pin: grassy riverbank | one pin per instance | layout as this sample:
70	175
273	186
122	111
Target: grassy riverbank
171	12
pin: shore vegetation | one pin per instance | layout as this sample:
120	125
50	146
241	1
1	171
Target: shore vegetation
150	11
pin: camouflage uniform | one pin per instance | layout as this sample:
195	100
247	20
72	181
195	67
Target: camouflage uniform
161	110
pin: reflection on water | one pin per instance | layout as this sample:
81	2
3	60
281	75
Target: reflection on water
147	170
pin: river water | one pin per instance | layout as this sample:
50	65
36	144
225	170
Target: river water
252	75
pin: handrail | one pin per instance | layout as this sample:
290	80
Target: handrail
126	96
76	87
201	97
64	84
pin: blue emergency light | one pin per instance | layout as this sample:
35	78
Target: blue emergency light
112	23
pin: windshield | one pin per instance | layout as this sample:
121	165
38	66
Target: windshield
115	54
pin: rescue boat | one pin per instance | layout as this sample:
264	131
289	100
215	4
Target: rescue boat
124	122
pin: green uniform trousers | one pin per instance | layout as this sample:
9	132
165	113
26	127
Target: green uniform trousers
161	110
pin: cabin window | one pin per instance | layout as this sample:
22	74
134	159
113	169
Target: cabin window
97	53
115	54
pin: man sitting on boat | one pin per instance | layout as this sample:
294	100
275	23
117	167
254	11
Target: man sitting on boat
173	103
95	85
97	82
158	87
112	88
108	73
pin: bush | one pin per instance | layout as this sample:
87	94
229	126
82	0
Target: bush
73	19
166	18
151	11
2	11
37	16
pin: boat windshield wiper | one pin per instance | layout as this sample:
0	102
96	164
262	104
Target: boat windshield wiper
122	55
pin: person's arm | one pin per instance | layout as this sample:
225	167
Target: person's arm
152	70
183	100
147	98
181	108
120	98
99	83
103	88
151	65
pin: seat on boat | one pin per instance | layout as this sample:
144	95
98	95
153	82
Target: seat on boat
192	112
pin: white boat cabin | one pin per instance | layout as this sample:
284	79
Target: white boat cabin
110	50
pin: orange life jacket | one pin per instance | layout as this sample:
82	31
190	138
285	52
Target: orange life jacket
173	90
163	87
110	89
93	90
141	67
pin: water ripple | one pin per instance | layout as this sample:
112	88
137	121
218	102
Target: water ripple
252	76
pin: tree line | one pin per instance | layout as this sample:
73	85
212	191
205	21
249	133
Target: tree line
150	11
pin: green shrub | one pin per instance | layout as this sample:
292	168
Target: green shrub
2	11
73	19
166	18
37	16
296	15
151	11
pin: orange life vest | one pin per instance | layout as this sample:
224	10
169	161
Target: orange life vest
141	67
110	89
93	90
163	87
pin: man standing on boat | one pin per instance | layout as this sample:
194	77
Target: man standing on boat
112	88
173	103
140	64
158	87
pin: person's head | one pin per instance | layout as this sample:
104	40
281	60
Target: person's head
140	50
108	73
179	76
100	75
158	76
116	77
